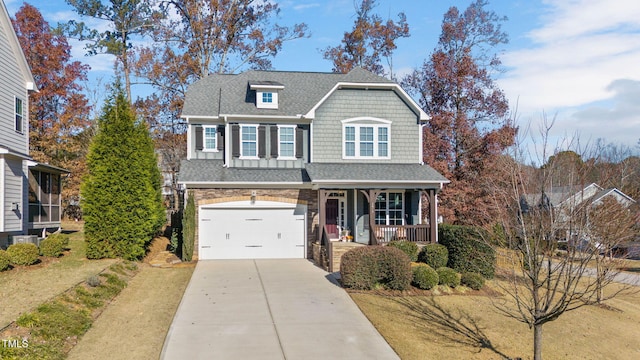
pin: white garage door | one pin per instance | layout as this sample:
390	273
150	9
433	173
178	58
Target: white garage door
251	233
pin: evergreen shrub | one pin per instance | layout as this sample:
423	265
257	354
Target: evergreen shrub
23	254
425	277
408	247
52	246
367	267
4	260
434	255
448	277
468	250
472	280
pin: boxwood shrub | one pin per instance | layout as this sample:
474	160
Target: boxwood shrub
468	250
424	277
4	260
448	276
409	248
23	254
434	255
472	280
366	267
52	246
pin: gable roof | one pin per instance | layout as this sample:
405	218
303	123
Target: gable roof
558	195
228	94
12	38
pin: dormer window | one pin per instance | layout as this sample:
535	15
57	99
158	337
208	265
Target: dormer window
266	93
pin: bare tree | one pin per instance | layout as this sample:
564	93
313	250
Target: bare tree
544	283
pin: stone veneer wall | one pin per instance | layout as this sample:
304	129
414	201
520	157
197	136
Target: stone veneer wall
305	196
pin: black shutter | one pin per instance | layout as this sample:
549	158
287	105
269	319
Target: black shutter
235	140
274	141
199	138
299	142
262	141
220	137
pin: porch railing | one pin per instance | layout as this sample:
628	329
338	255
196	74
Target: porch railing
413	233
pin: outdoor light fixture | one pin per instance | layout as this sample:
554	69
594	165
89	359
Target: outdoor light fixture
253	197
15	206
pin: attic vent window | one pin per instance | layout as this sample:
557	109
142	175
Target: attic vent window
267	93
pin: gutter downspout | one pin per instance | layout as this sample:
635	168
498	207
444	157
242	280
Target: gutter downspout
188	139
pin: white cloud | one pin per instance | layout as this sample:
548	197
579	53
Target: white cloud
574	59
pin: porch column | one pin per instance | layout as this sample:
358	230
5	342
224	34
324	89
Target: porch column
433	215
323	195
372	196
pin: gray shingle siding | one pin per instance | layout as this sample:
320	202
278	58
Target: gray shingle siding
351	103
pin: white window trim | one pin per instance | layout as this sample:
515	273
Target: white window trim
386	216
15	102
293	157
204	138
249	157
267	105
357	123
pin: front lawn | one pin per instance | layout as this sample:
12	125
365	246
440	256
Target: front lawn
468	327
25	287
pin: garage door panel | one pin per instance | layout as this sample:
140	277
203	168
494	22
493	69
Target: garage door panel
251	234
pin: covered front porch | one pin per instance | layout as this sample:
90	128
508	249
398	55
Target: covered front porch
373	204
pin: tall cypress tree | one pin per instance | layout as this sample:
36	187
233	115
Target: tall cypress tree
121	198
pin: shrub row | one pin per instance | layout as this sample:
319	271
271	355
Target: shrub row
365	268
27	253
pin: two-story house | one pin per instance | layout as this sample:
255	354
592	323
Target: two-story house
278	161
29	191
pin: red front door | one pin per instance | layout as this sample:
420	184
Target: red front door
332	218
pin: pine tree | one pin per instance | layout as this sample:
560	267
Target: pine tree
121	198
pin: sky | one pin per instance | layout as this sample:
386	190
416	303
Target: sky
575	61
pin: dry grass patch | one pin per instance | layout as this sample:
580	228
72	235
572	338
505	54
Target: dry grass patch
25	287
468	327
135	324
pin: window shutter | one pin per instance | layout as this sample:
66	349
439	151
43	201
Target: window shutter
262	148
274	141
235	140
299	142
220	138
199	138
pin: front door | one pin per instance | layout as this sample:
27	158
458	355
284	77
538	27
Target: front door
332	215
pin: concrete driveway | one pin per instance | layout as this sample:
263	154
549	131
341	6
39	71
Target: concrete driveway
269	309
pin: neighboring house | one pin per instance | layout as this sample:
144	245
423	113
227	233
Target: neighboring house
279	161
29	191
569	202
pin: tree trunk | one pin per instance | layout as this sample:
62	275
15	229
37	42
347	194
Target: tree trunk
537	342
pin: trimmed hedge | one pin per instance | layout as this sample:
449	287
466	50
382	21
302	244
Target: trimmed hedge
425	277
448	276
4	260
23	254
409	248
472	280
366	267
53	245
468	251
434	255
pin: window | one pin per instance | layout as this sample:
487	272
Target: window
389	208
210	134
366	140
19	115
249	137
286	144
267	97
